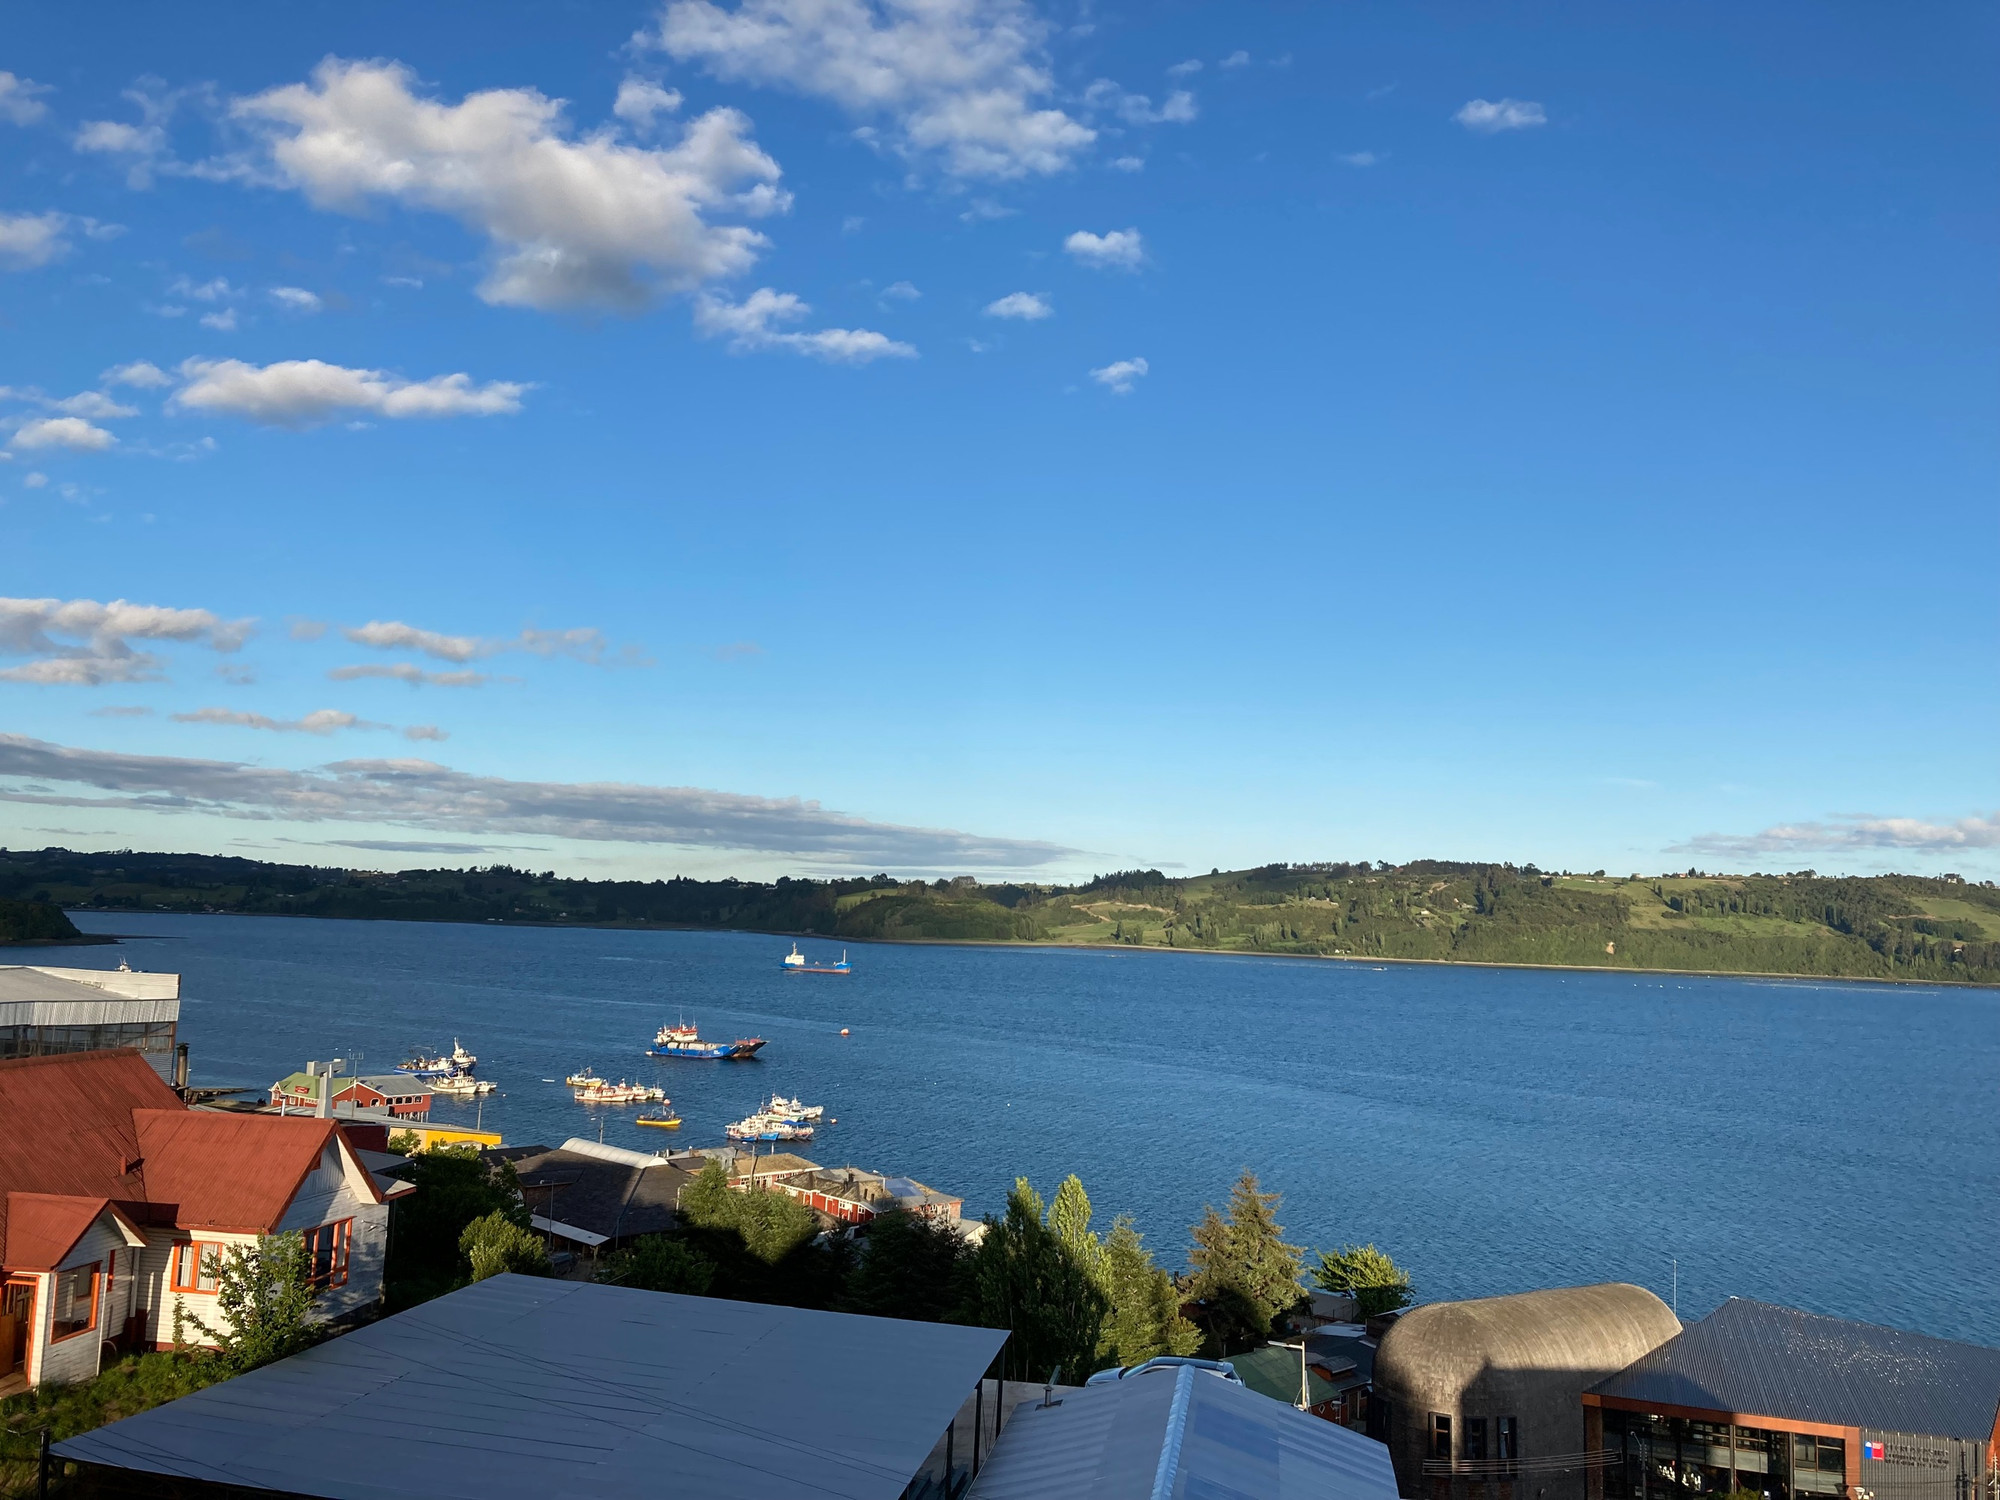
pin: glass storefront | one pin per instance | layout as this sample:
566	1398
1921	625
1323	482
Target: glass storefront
1676	1457
43	1041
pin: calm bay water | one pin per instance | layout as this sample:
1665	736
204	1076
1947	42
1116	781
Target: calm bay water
1832	1146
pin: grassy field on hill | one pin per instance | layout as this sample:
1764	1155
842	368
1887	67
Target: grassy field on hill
1878	927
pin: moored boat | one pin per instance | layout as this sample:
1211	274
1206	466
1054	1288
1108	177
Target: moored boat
621	1092
464	1061
797	963
666	1119
462	1085
584	1078
791	1109
422	1066
763	1127
684	1040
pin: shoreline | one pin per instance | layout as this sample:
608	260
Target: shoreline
93	939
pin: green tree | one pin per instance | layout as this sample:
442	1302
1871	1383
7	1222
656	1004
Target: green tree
911	1266
659	1263
1069	1221
1145	1320
455	1186
496	1243
1027	1280
263	1303
1377	1282
1244	1272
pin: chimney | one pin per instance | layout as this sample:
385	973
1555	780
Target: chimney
181	1068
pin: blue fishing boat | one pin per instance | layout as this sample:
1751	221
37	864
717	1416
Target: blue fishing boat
797	963
685	1041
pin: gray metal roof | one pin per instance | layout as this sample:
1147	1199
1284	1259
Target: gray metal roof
1754	1358
520	1386
1180	1435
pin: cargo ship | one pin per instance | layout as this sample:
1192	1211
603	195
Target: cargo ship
685	1041
797	963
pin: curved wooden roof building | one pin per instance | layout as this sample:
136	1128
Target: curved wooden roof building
1491	1386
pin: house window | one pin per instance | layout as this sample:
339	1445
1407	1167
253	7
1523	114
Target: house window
1475	1438
76	1302
1440	1435
1507	1439
326	1253
197	1266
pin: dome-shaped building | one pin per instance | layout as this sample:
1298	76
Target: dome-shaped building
1485	1398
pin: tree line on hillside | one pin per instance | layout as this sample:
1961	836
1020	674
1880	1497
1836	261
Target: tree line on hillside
1892	926
1071	1298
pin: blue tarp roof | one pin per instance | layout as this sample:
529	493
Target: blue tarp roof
1763	1360
521	1386
1180	1435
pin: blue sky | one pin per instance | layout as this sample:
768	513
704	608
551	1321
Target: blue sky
998	439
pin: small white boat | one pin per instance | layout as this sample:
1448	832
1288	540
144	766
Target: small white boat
763	1127
584	1078
791	1109
621	1092
462	1085
461	1059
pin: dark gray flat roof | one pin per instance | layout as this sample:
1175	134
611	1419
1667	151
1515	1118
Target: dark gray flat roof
1755	1358
519	1386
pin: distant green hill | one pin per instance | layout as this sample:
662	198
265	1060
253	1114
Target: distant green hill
1879	927
34	922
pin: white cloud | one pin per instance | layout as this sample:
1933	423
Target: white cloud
581	643
1853	832
1129	163
34	480
83	641
421	794
1359	158
1236	59
300	392
1122	249
20	101
296	299
572	222
394	635
982	209
115	138
72	433
749	325
1028	306
1137	109
1490	116
639	101
93	404
140	372
901	291
31	240
216	290
1185	69
320	721
221	322
415	282
962	81
414	675
1119	377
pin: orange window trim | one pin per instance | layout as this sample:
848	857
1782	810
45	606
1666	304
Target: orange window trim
341	1232
185	1274
96	1287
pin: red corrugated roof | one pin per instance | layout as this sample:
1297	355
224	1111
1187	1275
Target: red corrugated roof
228	1171
101	1125
44	1227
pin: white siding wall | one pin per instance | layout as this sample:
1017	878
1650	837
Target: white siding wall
162	1299
76	1358
338	1188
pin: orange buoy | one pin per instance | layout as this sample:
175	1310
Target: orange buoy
843	1031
